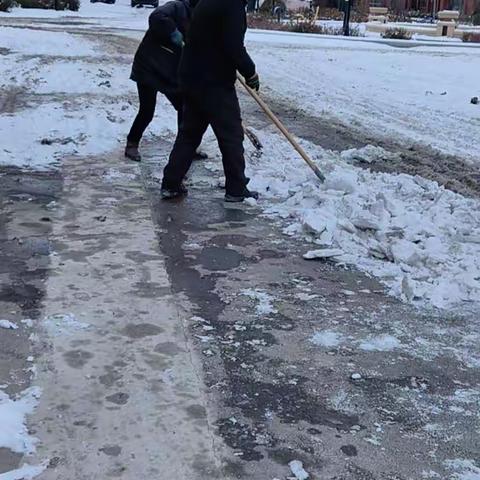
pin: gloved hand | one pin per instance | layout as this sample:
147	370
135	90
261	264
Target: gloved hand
177	38
253	82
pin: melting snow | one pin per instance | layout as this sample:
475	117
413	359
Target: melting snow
382	343
296	466
264	306
64	323
26	472
13	432
8	325
327	338
463	469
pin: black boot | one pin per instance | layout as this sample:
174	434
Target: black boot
200	155
131	151
171	193
240	198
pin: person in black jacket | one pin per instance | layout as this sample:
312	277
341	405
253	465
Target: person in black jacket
213	54
155	67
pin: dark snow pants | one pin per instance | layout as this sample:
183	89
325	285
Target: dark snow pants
148	101
219	108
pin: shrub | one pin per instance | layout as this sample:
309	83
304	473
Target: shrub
397	33
46	4
5	5
304	26
309	27
264	22
476	18
50	4
73	5
471	37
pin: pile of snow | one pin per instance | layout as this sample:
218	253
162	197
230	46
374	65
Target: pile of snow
296	467
8	325
367	154
13	432
421	240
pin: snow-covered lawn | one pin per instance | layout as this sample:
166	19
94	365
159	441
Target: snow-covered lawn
79	100
419	94
119	15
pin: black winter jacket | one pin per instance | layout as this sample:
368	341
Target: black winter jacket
215	49
157	59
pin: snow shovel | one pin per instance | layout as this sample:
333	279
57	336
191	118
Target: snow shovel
283	129
253	139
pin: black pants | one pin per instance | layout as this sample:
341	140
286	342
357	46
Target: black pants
148	102
219	108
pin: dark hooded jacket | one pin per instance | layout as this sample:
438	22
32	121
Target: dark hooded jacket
215	49
157	59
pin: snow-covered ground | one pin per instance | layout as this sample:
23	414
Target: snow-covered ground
419	94
119	15
79	102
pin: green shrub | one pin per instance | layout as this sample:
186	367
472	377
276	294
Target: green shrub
397	33
471	37
5	5
476	18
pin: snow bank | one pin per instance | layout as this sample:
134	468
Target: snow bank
421	240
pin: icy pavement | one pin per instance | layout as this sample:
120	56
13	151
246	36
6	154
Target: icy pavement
311	363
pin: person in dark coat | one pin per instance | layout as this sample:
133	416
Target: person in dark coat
155	66
213	54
